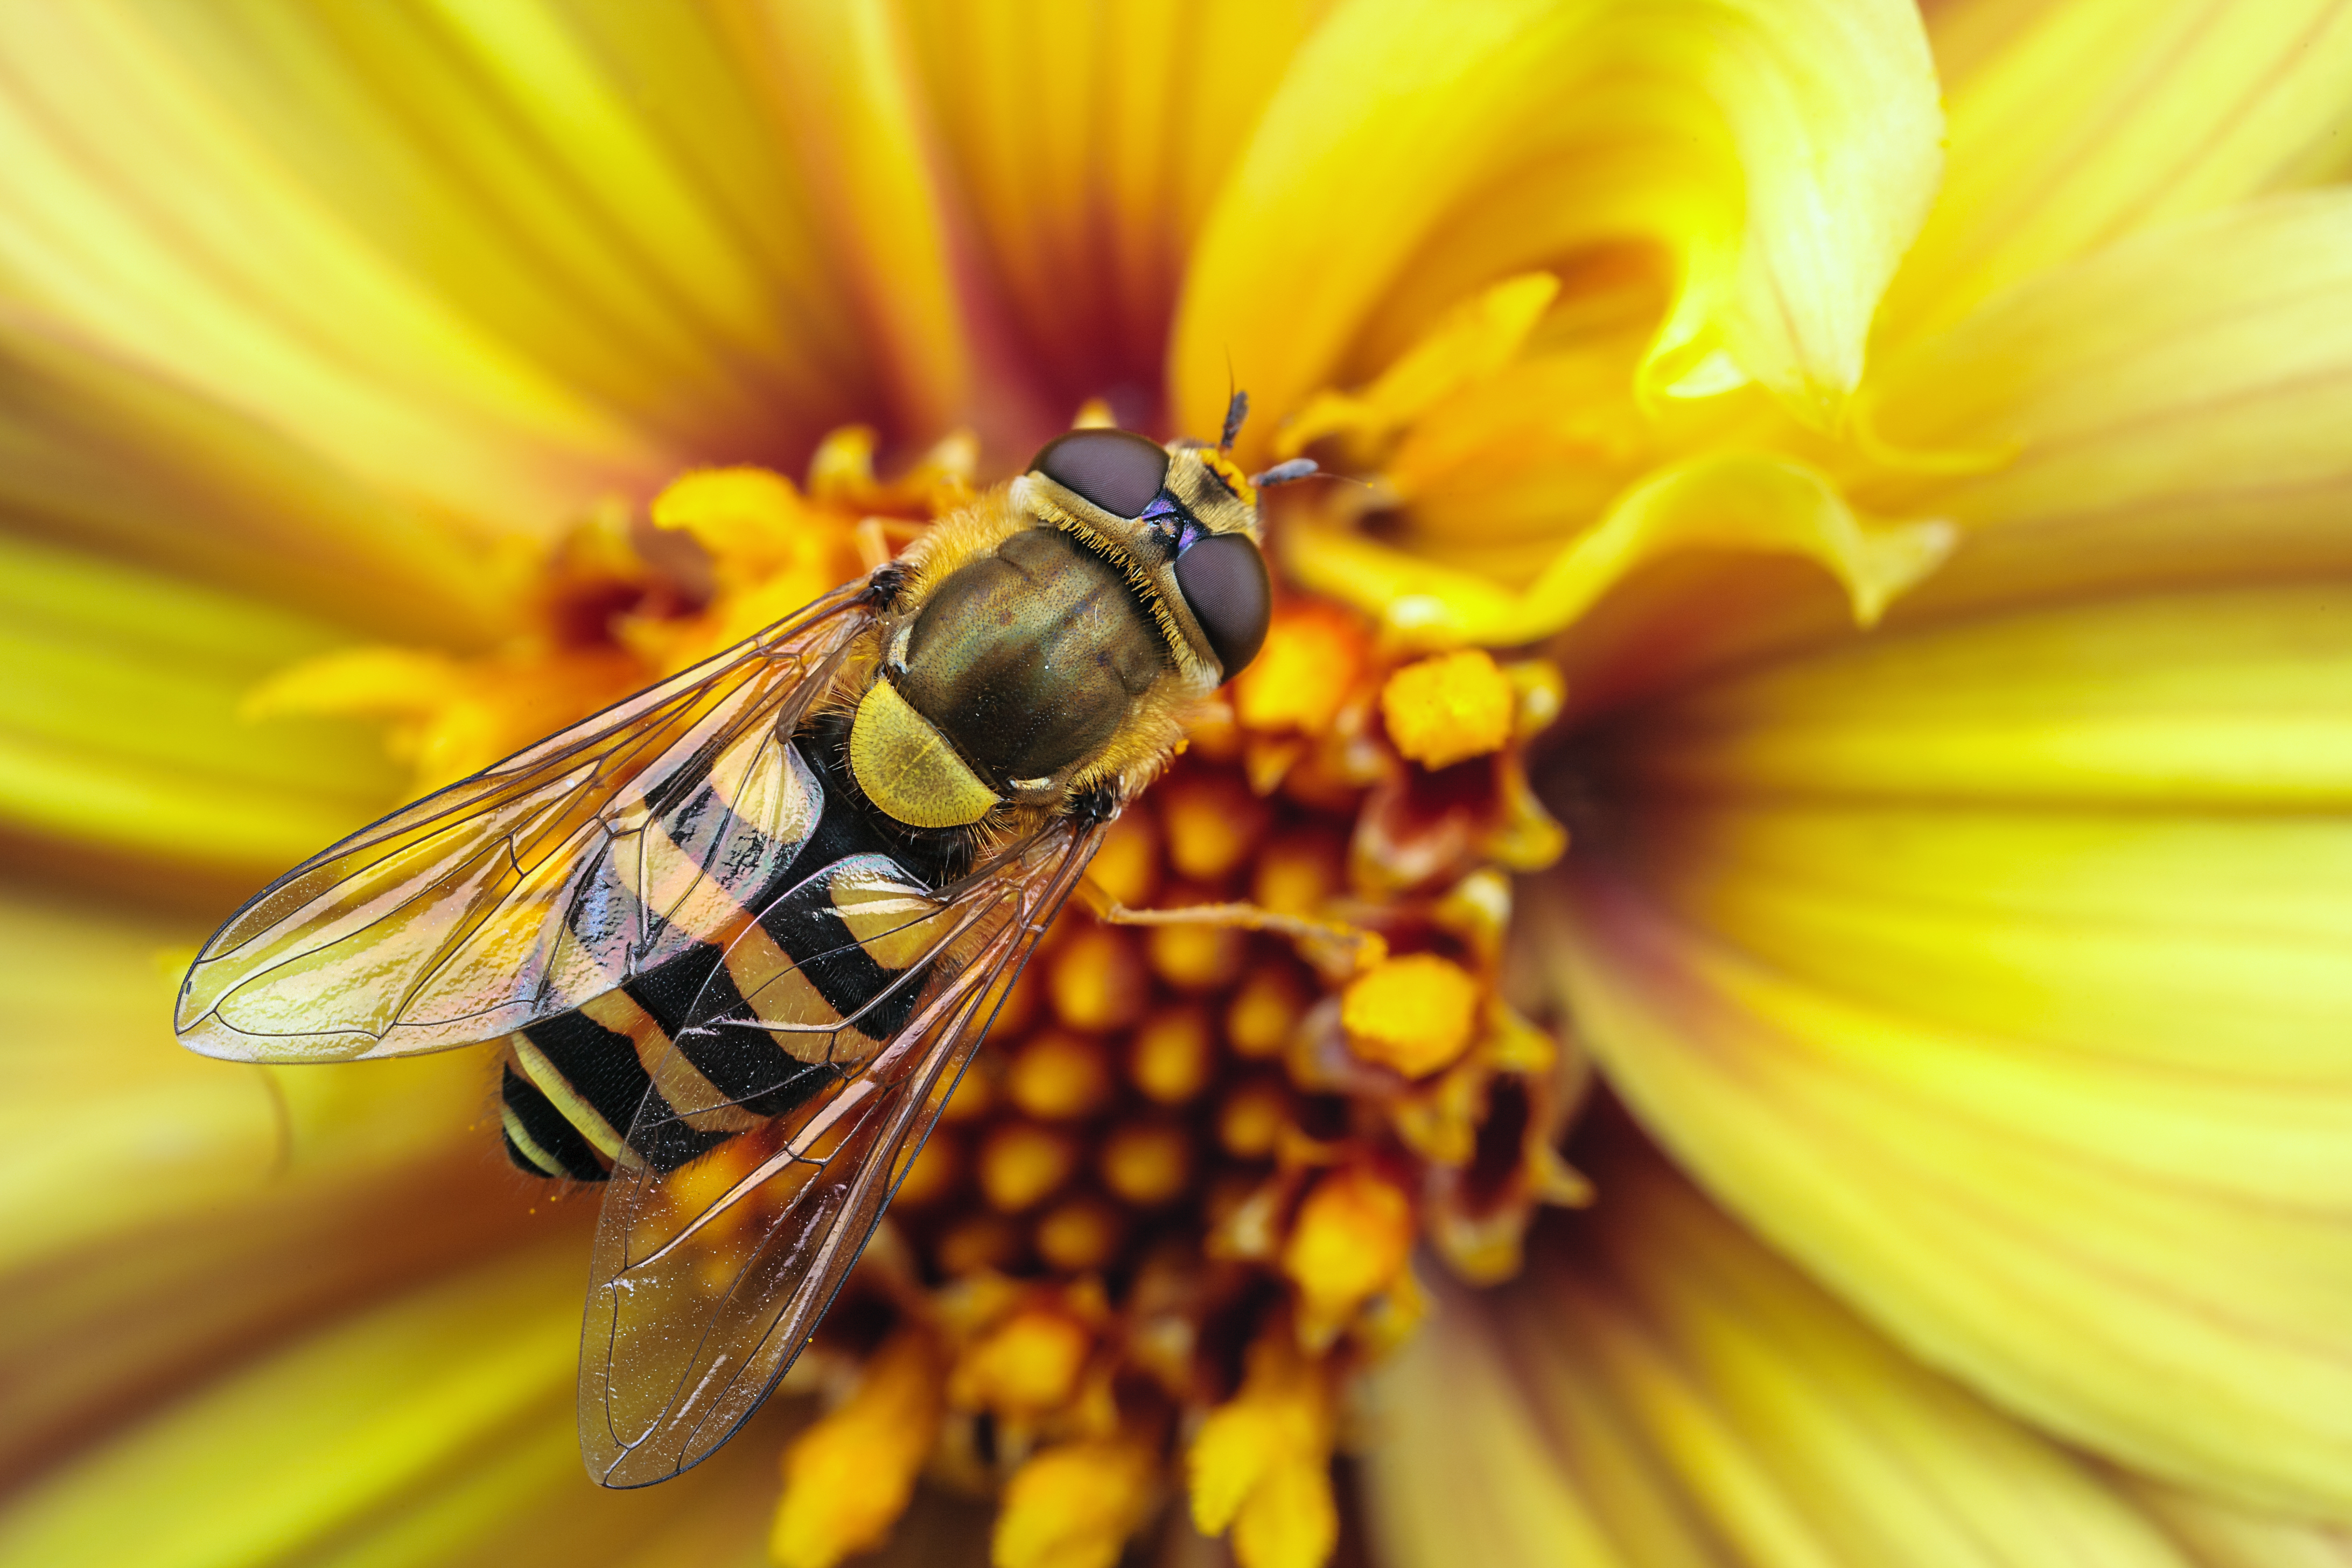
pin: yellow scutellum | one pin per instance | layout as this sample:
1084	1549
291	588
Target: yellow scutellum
848	1478
1449	709
1075	1506
1260	1466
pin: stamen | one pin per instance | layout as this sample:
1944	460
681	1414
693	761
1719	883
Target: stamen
849	1477
1261	1465
1075	1506
1148	1163
1350	1243
1021	1164
1448	709
1174	1057
1415	1013
1025	1366
1058	1077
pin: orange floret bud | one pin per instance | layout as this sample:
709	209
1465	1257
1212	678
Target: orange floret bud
849	1477
1023	1164
1073	1506
1173	1056
1195	957
1298	871
1127	866
1147	1163
1251	1121
1078	1234
1025	1366
934	1171
1449	709
1057	1077
1097	980
1212	824
1265	1010
1348	1243
979	1241
1415	1014
1301	678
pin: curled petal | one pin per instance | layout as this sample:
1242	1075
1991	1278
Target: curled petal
1788	153
1735	501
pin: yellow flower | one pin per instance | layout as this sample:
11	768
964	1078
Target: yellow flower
1935	514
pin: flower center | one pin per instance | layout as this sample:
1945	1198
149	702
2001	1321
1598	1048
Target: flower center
1174	1204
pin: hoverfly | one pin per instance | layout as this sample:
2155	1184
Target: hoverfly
740	934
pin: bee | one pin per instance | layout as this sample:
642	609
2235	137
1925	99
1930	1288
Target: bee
740	934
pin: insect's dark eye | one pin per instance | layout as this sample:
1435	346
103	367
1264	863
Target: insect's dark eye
1224	584
1118	470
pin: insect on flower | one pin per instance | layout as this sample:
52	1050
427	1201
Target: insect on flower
740	934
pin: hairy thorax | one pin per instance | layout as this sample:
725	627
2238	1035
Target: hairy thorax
1029	659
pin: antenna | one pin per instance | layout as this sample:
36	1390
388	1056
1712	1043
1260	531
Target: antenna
1287	473
1236	410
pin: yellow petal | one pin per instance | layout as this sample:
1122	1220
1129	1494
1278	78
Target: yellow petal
324	1437
1787	156
434	1429
1087	212
166	212
2177	408
1997	974
1073	1506
1292	1521
134	465
156	1133
842	81
2229	698
2076	123
1471	343
120	721
1732	501
150	1133
1663	1391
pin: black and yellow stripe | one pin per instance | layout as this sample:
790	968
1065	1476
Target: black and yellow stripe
832	942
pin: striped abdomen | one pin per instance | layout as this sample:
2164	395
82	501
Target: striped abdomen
757	1007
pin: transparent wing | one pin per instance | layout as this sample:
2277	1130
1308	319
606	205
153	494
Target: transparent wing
708	1278
537	883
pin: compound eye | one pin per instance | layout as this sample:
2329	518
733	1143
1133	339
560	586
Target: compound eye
1224	584
1118	470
